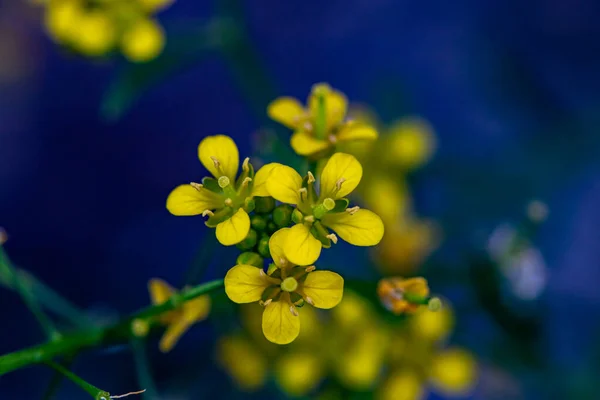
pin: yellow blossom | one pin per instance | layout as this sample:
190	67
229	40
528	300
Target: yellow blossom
403	295
282	292
328	209
320	125
143	40
155	5
225	200
250	374
410	143
454	372
402	385
432	325
299	372
181	319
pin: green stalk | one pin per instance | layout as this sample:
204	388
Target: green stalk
86	338
97	394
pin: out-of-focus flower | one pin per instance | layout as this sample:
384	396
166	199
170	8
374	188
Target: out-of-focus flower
283	290
409	143
316	212
225	200
432	325
403	384
454	372
299	372
96	29
181	319
322	124
243	361
400	295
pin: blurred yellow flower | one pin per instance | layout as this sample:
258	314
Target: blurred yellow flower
454	372
180	320
299	372
225	200
432	325
155	5
402	385
251	373
315	213
319	126
143	40
400	295
282	292
409	143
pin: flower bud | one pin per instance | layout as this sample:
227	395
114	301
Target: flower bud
258	223
435	304
264	205
297	216
249	242
282	215
250	258
271	227
263	246
140	327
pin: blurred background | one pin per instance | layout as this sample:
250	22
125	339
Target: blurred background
487	176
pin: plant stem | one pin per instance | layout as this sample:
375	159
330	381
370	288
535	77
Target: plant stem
88	387
86	338
143	369
28	298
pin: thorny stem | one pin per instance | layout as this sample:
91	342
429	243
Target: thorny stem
86	338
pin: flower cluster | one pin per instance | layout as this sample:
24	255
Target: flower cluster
98	28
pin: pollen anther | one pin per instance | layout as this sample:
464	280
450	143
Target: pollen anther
207	212
333	238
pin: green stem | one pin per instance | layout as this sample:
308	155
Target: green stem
97	394
86	338
57	379
28	298
143	370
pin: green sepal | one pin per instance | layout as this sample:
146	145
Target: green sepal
250	258
249	204
297	299
212	185
340	206
320	233
274	271
221	215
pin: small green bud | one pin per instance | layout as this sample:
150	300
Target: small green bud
263	246
250	258
297	216
140	327
264	205
249	242
282	215
258	223
249	204
434	304
271	227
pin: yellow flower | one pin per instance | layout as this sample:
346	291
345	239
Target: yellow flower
250	374
454	372
180	320
155	5
283	291
144	40
94	33
432	325
319	126
402	385
403	295
299	372
409	144
225	200
316	213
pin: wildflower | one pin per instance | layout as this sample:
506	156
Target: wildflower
403	295
432	325
454	372
225	200
316	213
181	319
285	289
410	143
322	124
403	384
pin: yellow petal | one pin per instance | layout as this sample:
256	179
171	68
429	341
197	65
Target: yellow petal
187	200
363	228
336	106
160	291
197	309
283	184
325	288
301	247
356	131
235	229
245	284
172	335
276	244
260	180
279	325
343	168
223	149
287	111
305	144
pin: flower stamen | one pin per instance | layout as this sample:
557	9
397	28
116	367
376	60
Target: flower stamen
332	237
207	212
352	210
309	218
197	186
338	183
245	166
309	301
228	202
310	269
246	181
293	311
311	177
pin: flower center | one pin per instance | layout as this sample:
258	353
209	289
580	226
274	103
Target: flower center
289	284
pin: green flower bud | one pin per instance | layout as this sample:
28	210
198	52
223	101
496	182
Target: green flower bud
282	215
258	223
250	258
249	204
263	246
271	227
249	242
264	205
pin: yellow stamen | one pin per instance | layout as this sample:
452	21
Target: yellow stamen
283	262
310	269
228	202
338	183
311	177
294	311
309	218
196	186
309	301
215	161
304	192
265	303
332	237
352	210
207	212
245	166
332	139
308	126
246	181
